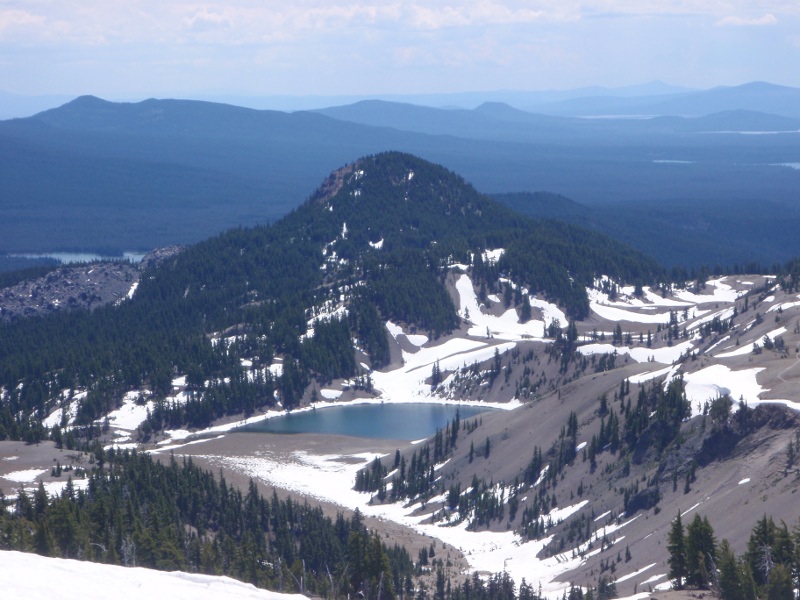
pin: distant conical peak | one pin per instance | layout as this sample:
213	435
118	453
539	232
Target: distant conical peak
356	170
87	98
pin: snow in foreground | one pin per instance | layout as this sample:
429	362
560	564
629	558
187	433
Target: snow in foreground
34	577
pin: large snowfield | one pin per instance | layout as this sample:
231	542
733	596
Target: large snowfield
26	576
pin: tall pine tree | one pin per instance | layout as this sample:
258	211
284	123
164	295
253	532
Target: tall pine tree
677	553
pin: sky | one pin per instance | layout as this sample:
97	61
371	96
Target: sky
142	48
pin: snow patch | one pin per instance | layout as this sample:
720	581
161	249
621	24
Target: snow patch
648	375
717	380
55	488
784	306
636	573
276	368
666	355
658	300
394	330
414	339
492	256
612	313
26	476
417	339
34	577
69	410
505	326
748	348
721	292
130	415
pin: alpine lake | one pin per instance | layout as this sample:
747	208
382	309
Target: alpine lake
384	421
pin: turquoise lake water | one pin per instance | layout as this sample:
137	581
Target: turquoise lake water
386	421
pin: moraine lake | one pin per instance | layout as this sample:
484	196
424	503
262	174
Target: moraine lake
386	421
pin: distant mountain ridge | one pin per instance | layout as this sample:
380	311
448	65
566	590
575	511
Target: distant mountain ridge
133	176
178	117
20	106
756	96
501	121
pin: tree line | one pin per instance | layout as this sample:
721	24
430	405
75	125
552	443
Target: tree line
134	511
769	568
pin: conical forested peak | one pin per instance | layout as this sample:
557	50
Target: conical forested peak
403	199
392	177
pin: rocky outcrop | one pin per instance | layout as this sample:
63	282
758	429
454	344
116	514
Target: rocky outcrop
84	286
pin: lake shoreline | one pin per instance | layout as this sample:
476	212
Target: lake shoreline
176	438
407	421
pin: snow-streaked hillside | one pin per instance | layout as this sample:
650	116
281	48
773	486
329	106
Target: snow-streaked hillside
33	577
711	363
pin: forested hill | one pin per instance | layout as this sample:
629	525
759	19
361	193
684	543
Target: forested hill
373	243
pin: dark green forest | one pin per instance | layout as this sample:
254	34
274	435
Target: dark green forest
138	512
15	269
723	234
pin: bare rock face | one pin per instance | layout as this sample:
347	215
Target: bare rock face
159	255
85	286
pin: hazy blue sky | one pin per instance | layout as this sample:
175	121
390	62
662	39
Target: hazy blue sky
118	48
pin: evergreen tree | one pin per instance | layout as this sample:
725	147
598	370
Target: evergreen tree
676	546
779	586
525	311
700	552
759	550
731	586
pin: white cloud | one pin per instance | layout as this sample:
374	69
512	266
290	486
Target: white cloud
477	13
205	20
349	46
18	19
251	21
734	21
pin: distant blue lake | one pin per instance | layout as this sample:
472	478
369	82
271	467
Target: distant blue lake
386	421
81	257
